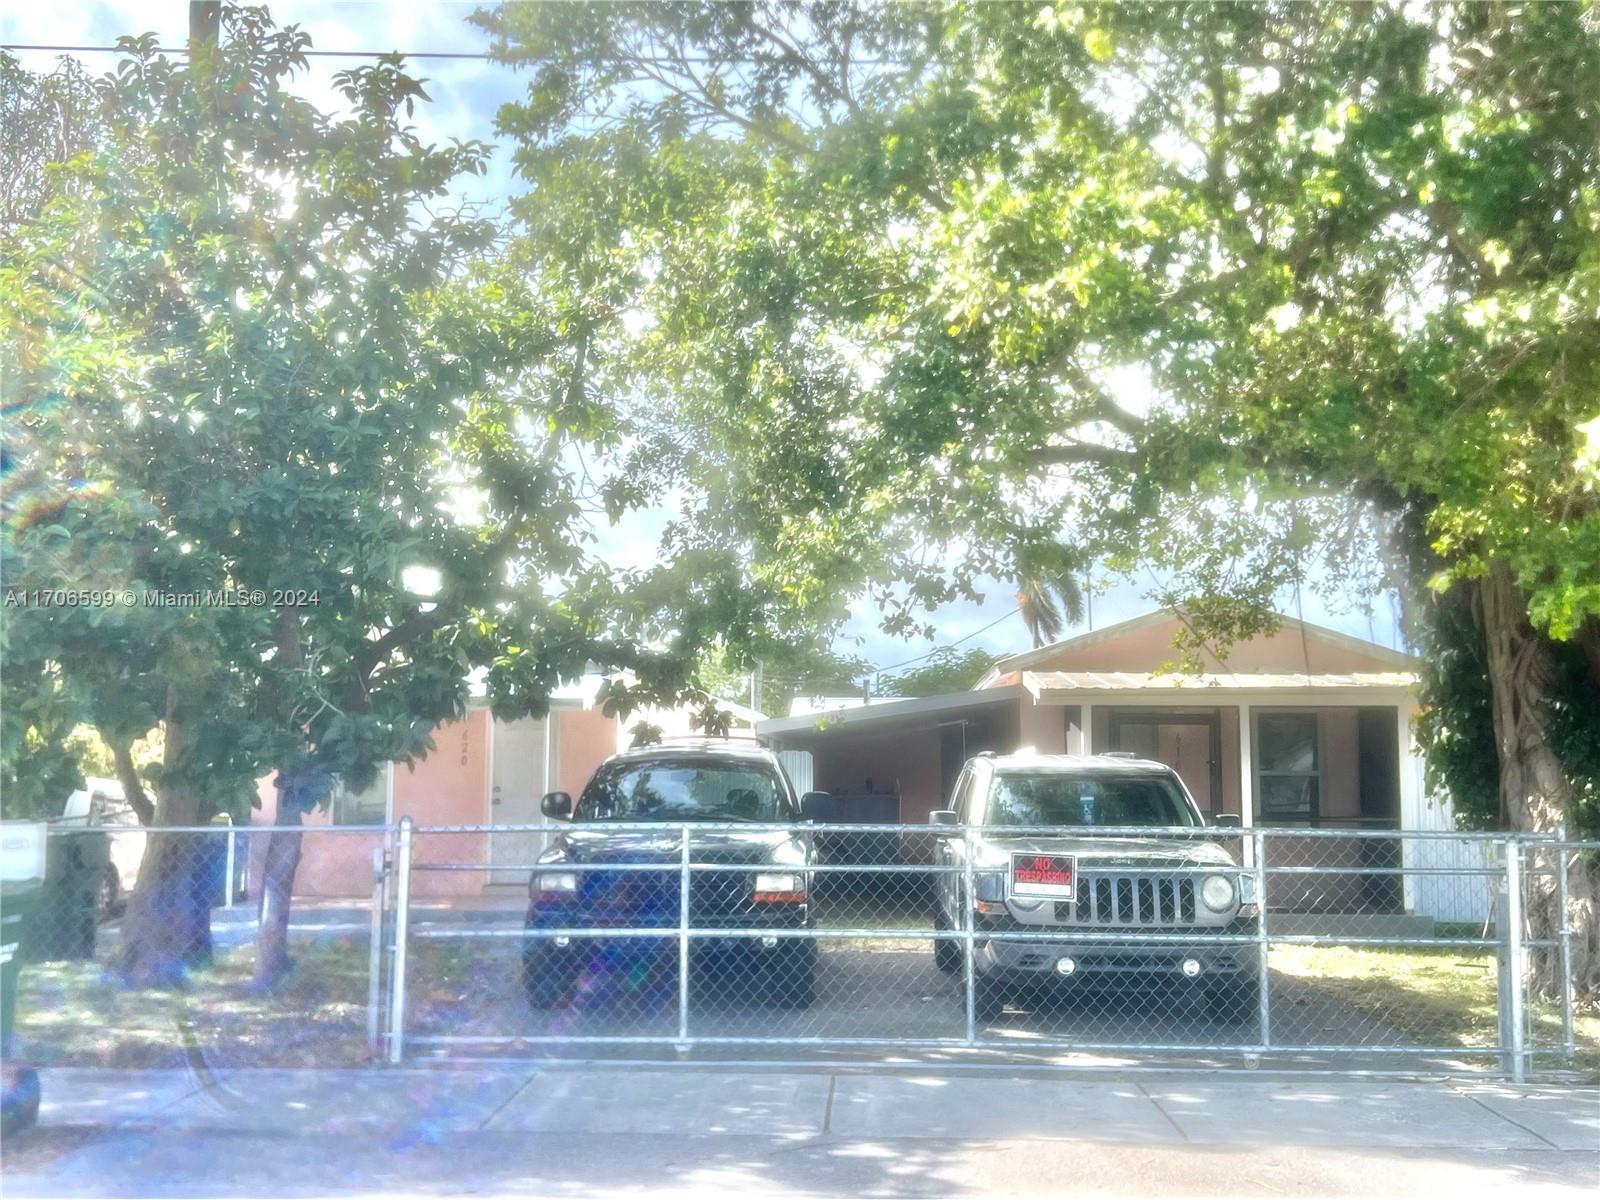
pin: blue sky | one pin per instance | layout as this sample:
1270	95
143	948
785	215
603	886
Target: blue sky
465	97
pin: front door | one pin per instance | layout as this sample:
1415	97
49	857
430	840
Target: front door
1188	743
519	781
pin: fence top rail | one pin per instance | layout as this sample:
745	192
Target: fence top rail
1201	832
53	828
1528	840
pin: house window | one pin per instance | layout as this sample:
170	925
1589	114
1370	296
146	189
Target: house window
1288	774
369	806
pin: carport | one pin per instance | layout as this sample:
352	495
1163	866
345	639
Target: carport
908	749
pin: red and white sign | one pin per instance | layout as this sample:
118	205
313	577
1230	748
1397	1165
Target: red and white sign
1042	875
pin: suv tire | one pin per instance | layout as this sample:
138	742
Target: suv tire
946	953
546	978
1233	1001
988	1000
794	976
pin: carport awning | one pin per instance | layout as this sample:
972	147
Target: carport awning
894	714
1045	685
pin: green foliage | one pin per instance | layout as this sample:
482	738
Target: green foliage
254	352
1456	725
909	293
884	296
947	670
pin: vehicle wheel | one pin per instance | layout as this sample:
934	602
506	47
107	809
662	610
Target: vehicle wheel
794	977
946	953
1234	1001
546	979
988	1001
108	898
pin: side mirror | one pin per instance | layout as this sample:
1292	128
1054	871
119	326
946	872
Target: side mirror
942	816
1226	821
557	806
816	806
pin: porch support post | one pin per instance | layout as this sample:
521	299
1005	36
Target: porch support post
1086	728
1247	797
1409	769
1247	770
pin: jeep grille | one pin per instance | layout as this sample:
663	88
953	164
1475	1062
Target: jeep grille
1131	898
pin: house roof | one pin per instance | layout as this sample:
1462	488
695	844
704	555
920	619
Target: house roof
1041	682
887	710
1028	658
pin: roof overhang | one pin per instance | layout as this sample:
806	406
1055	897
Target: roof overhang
1061	687
1027	658
887	715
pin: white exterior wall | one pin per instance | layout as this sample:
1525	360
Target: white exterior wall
1462	898
797	766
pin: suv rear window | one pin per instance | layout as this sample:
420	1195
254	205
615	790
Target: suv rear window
1086	800
684	789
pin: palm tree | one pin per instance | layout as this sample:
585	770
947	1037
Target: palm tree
1049	594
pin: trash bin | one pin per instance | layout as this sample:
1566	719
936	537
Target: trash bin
22	874
66	912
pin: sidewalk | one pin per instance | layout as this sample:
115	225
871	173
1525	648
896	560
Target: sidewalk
593	1130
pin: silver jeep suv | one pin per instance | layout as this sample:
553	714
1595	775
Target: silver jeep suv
1055	873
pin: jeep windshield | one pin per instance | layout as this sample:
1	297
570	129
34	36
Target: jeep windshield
683	790
1087	800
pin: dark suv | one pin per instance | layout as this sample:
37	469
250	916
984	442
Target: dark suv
753	878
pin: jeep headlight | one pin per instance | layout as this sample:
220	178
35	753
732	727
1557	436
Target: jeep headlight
991	886
1217	893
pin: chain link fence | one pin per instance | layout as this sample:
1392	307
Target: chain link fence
1331	949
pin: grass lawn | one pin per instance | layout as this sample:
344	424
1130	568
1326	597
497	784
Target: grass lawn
79	1014
1441	996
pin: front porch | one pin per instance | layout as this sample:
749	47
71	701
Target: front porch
1321	753
1290	752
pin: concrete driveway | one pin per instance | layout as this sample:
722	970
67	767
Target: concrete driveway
593	1131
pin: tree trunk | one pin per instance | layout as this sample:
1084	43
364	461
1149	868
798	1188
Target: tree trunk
168	926
277	893
1534	789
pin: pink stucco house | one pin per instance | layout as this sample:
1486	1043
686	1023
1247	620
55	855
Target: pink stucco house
1305	728
482	771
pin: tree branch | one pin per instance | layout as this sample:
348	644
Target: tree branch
1081	452
132	786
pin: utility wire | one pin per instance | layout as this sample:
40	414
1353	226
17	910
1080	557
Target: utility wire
662	60
949	646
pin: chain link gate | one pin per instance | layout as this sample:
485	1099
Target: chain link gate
1327	967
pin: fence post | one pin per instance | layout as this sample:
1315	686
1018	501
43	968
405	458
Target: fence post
969	904
375	955
1512	980
683	938
402	914
1265	988
1568	1044
227	885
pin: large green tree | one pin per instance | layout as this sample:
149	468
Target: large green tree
255	352
923	294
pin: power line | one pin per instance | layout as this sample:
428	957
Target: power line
949	646
652	60
307	53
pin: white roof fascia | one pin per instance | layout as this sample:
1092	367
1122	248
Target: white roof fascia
1027	658
888	710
